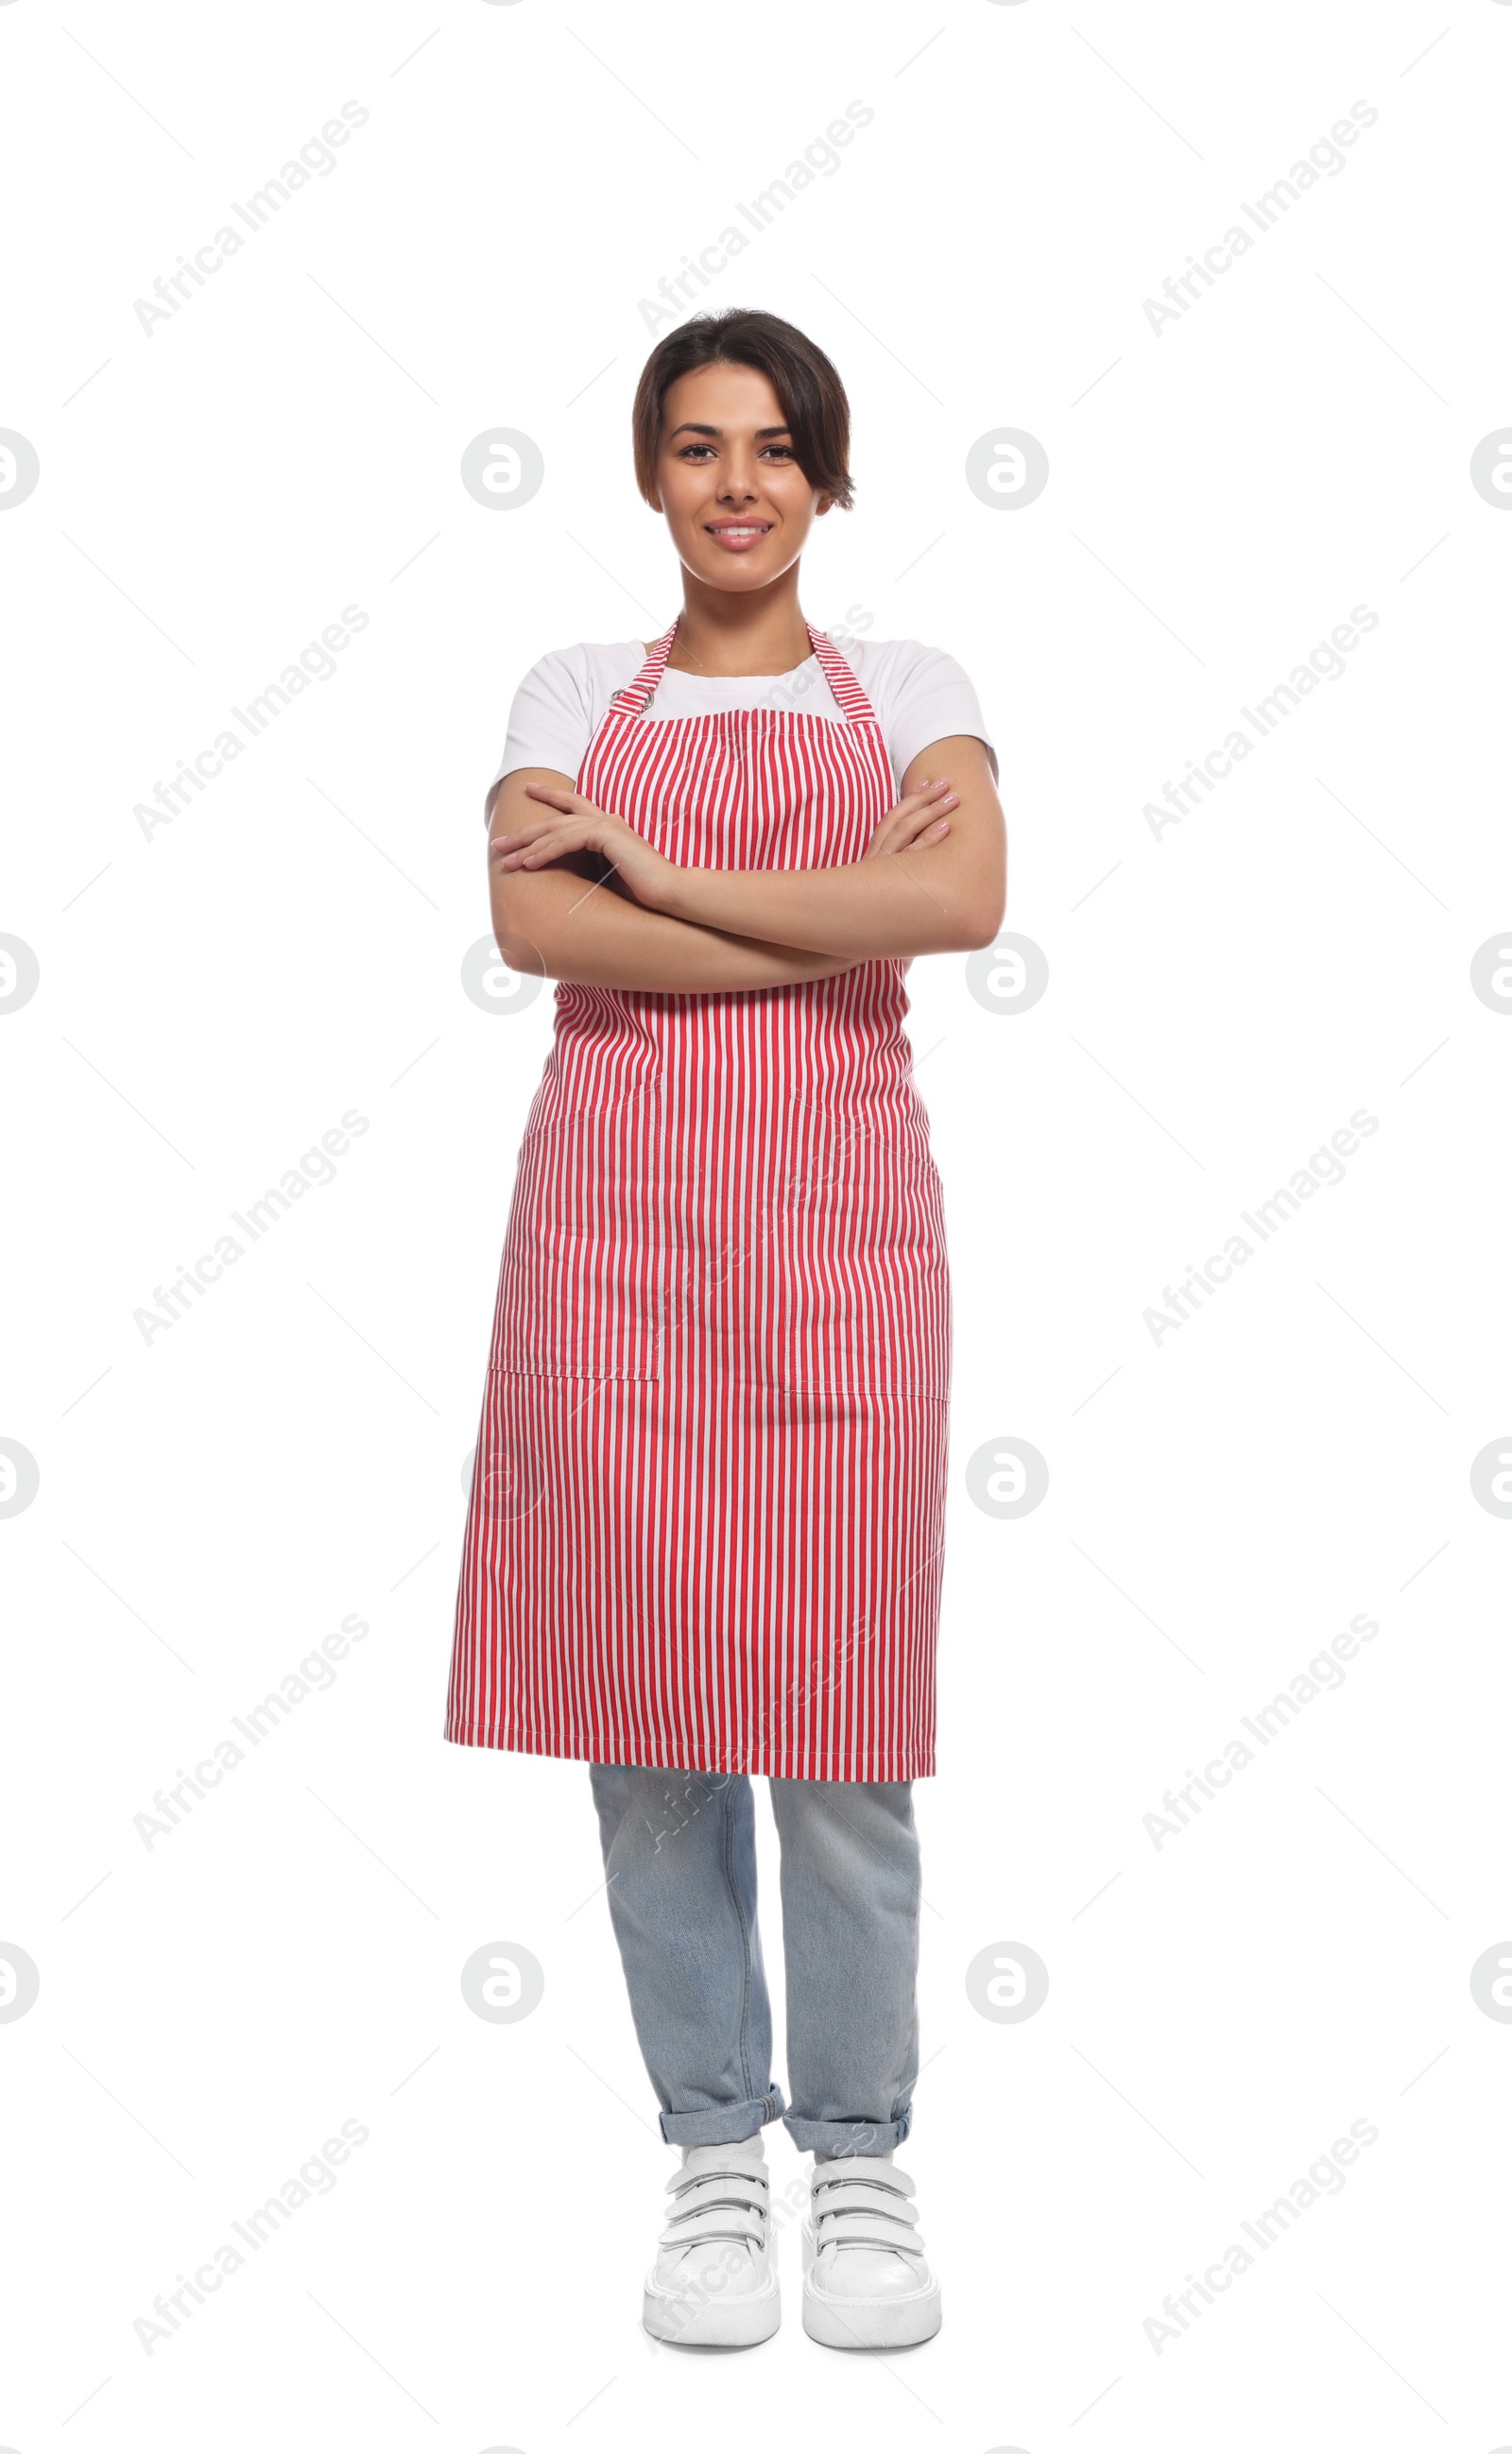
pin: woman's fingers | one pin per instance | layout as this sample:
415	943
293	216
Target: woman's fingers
530	844
929	797
932	807
580	819
519	838
917	814
533	845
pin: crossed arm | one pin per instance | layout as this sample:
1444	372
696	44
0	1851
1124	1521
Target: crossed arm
578	895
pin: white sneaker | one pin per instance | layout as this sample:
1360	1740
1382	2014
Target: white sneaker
714	2281
867	2284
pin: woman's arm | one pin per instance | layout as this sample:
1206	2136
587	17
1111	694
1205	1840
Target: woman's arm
934	894
938	898
555	921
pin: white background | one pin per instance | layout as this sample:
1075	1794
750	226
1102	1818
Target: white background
1221	999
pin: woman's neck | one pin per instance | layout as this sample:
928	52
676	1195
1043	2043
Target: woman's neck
727	636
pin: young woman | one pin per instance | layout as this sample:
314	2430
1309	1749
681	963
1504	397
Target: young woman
707	1515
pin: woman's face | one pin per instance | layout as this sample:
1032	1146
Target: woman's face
738	506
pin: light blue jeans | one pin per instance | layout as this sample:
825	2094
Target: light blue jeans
679	1855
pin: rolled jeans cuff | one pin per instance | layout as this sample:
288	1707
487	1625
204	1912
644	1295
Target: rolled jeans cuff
848	2138
721	2126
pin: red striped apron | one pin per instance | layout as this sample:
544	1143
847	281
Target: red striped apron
707	1511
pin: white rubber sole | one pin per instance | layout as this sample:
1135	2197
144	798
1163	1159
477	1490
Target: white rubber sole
847	2324
710	2323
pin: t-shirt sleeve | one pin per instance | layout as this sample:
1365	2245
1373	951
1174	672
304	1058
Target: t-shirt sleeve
551	717
932	697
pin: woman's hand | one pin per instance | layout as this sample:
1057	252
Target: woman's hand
570	823
919	819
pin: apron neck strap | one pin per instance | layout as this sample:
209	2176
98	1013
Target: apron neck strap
849	696
635	697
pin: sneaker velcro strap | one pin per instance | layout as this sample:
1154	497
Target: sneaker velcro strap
863	2198
720	2223
685	2180
848	2169
690	2222
719	2213
873	2231
717	2190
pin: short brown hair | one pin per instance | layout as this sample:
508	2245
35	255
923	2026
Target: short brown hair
812	395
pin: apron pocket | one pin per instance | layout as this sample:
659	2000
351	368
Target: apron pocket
863	1285
844	1358
573	1306
580	1290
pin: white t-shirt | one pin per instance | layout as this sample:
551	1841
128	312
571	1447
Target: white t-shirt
918	695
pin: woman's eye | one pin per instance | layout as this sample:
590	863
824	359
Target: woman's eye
705	450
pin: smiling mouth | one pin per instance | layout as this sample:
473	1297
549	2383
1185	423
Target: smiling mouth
737	533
